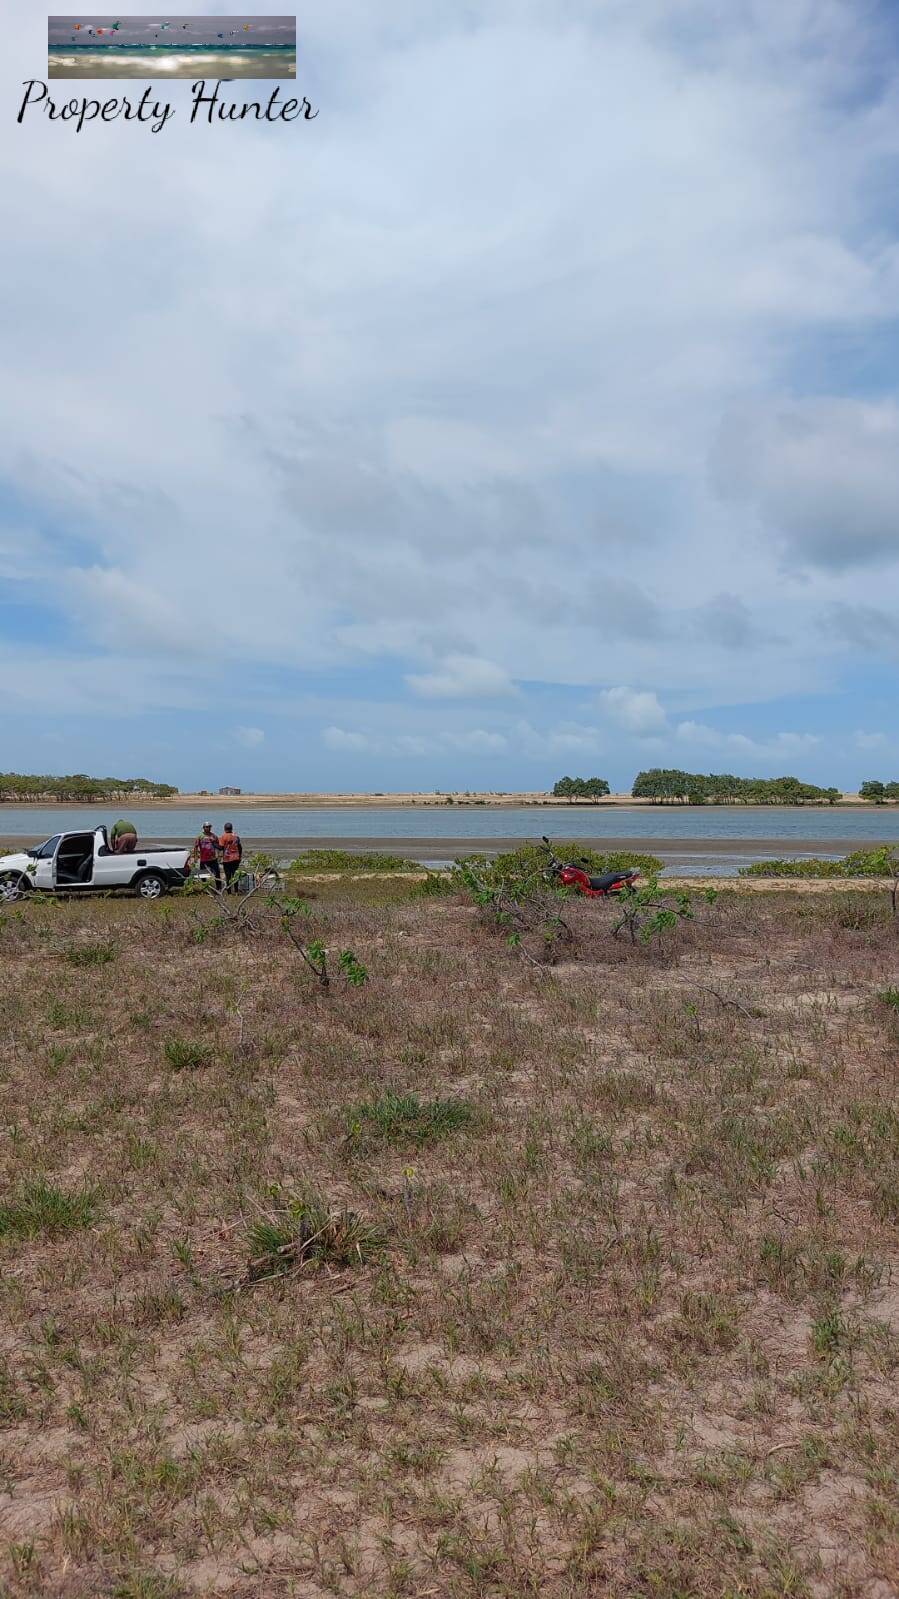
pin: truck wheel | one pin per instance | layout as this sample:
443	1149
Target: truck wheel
150	886
13	885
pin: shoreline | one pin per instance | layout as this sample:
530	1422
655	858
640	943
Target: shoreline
672	851
437	801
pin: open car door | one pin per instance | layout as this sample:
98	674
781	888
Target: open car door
75	861
44	861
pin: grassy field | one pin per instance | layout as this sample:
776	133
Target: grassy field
478	1279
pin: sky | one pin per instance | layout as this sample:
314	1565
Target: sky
533	410
179	29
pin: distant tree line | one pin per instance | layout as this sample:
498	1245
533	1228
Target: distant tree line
720	788
572	788
79	788
878	792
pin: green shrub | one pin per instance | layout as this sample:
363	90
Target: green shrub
405	1119
881	860
434	885
877	861
302	1228
41	1208
344	860
529	862
812	867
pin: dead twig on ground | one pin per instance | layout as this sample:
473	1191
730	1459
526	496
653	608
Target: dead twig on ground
724	999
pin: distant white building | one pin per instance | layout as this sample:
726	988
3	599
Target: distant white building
230	791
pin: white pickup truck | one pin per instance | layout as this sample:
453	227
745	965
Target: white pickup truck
79	862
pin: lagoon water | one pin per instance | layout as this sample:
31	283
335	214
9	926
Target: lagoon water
738	831
171	62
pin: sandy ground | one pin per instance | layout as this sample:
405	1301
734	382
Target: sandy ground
600	1296
532	797
382	801
742	885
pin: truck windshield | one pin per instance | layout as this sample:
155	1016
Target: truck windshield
42	851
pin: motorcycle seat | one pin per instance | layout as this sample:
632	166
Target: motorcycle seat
606	879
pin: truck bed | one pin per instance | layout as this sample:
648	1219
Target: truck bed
146	849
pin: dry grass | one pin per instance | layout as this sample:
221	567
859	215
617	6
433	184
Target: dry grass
480	1280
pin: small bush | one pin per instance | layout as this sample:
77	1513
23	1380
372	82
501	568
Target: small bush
648	912
813	867
41	1208
829	1333
529	862
890	997
304	1229
186	1054
875	862
352	969
405	1119
344	860
99	954
434	885
860	912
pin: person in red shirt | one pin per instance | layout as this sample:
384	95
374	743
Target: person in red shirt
232	853
206	850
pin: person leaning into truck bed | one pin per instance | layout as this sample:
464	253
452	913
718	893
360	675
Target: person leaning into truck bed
123	837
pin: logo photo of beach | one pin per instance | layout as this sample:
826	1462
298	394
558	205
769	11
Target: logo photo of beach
170	46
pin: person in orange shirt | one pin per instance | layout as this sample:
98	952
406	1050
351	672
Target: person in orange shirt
232	853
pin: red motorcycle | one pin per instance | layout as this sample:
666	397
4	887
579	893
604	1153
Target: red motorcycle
573	875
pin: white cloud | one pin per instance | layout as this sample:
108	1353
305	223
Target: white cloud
415	744
126	613
575	740
340	738
462	677
871	741
866	629
780	744
249	737
477	742
698	733
798	743
638	711
823	473
99	687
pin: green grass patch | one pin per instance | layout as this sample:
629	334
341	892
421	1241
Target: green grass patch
187	1054
890	998
406	1119
829	1333
146	1585
434	885
41	1209
706	1323
62	1014
303	1229
99	954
